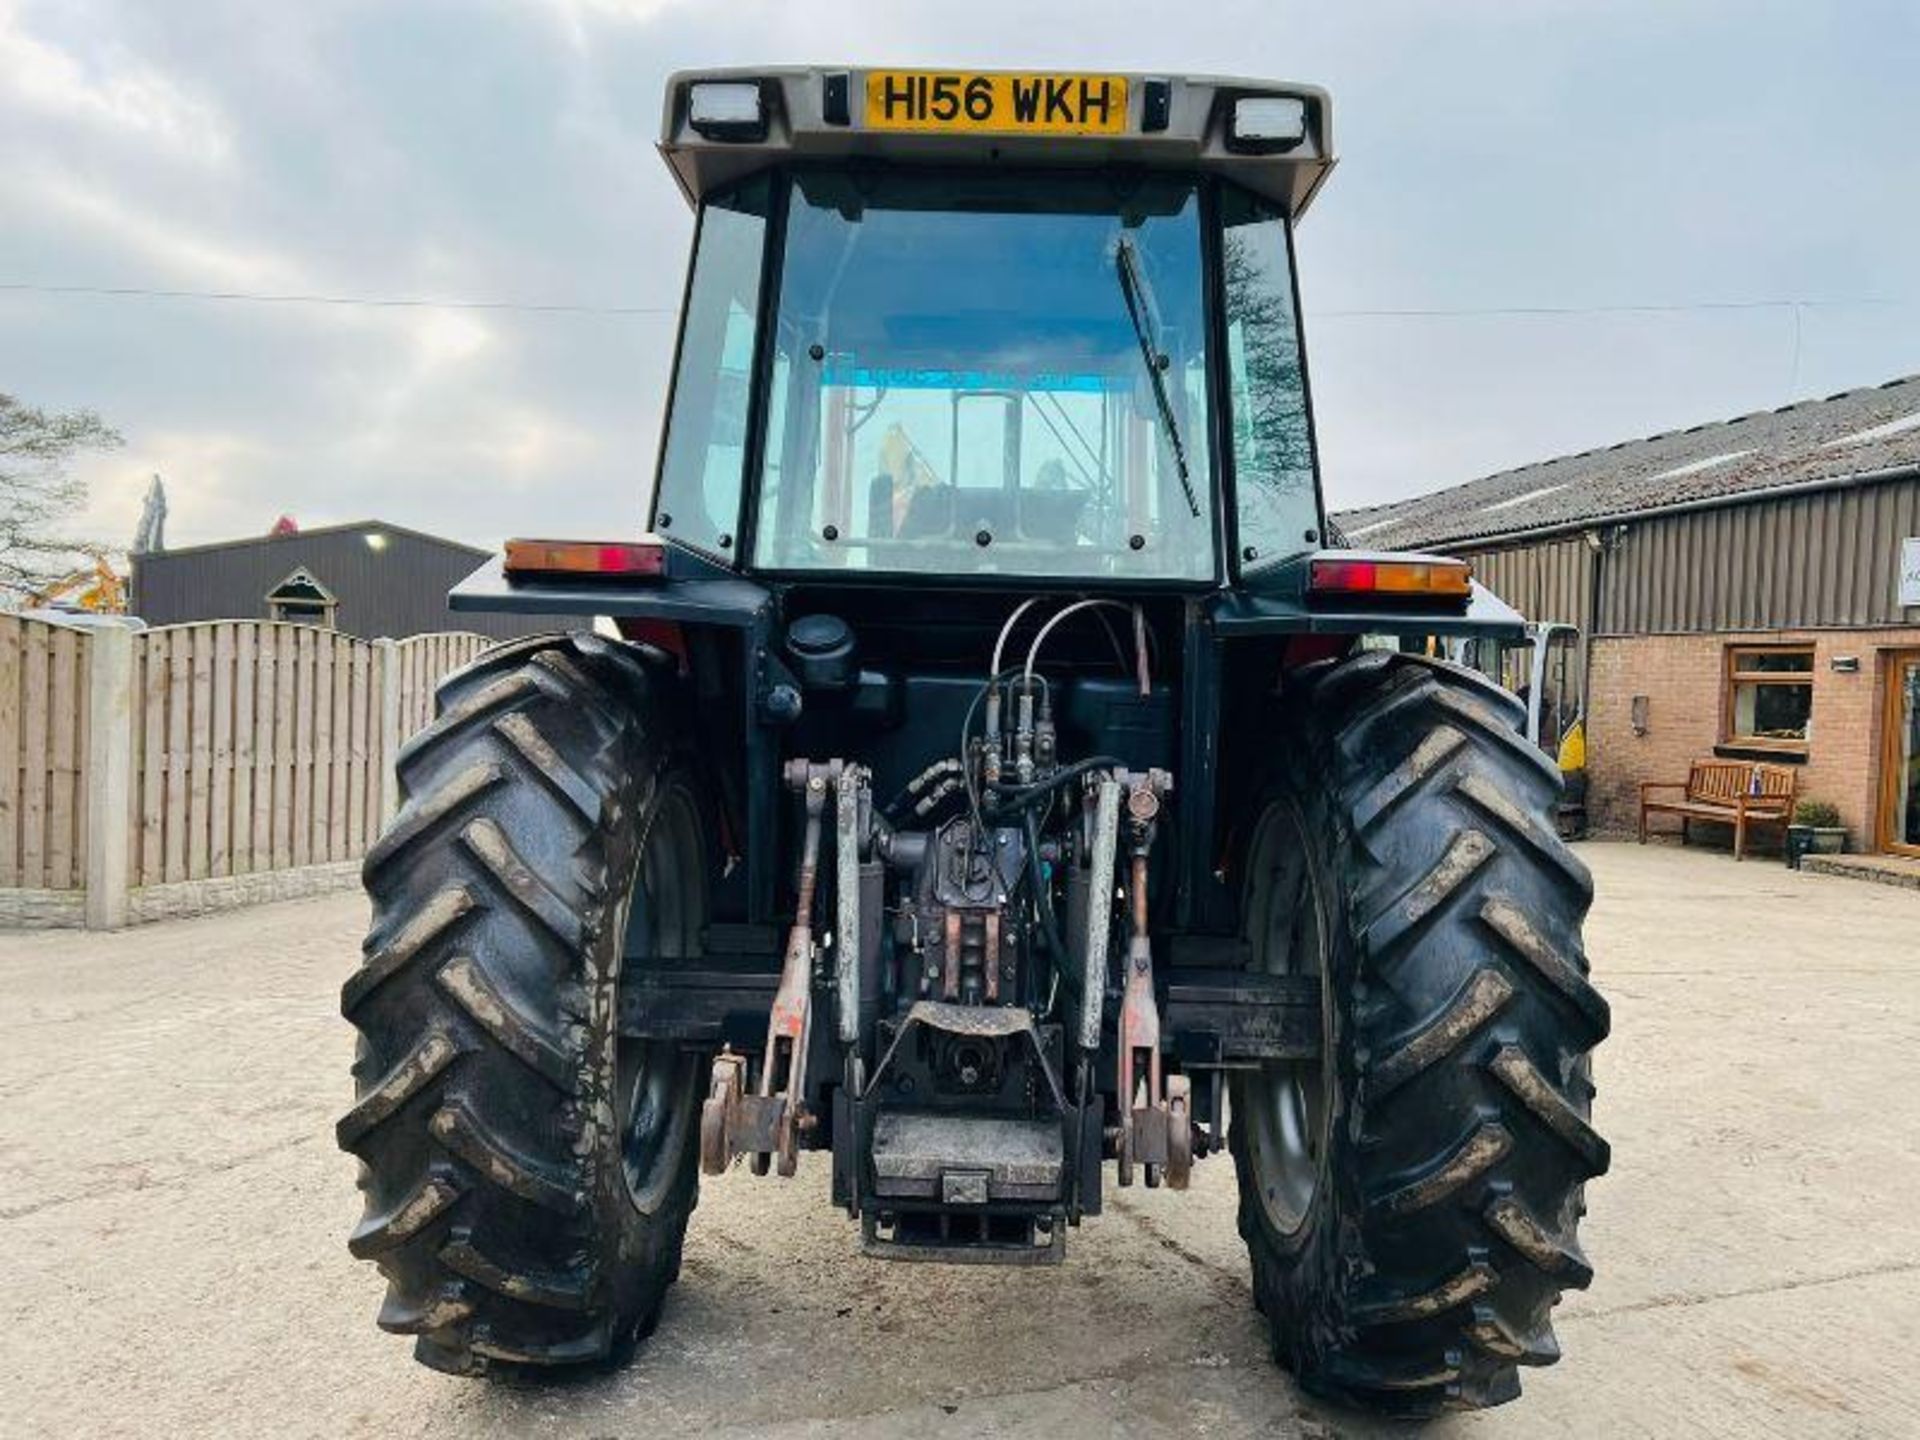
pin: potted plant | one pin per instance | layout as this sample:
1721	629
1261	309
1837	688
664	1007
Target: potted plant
1816	830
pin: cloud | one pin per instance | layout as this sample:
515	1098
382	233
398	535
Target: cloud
110	91
222	464
165	249
502	150
578	19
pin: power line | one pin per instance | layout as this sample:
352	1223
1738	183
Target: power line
372	302
411	302
1675	308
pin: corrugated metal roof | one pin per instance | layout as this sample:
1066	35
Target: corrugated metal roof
1856	432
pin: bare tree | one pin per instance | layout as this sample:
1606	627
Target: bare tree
38	497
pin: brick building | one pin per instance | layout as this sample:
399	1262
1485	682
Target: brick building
1748	590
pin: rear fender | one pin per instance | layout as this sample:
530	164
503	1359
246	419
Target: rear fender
671	611
1242	614
690	593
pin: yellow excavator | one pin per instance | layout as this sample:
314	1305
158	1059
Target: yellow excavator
96	588
1544	669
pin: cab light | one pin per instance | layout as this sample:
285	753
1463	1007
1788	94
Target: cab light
1267	123
731	110
587	559
1449	579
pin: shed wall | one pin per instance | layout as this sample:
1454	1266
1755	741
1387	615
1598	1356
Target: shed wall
1550	580
397	590
1824	560
1817	561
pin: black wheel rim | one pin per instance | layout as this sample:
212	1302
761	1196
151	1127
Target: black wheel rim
662	922
1283	1105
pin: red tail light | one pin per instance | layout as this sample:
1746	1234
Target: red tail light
587	559
1427	577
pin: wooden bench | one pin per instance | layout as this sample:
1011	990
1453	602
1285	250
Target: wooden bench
1729	792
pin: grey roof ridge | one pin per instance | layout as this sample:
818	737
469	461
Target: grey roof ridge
1841	480
338	528
1374	513
1704	425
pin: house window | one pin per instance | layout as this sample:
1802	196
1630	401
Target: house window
302	600
1769	696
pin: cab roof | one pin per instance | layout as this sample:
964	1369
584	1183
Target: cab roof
819	113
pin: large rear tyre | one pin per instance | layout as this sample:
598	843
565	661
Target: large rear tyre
527	1174
1410	1199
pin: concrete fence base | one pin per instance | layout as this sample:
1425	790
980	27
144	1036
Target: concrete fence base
230	892
42	909
67	909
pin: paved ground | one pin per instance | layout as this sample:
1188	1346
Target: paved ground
173	1216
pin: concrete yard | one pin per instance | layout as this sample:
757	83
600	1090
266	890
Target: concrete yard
174	1215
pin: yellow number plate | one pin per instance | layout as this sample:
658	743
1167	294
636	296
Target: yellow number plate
1010	104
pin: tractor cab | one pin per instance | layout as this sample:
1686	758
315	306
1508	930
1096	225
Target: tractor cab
992	326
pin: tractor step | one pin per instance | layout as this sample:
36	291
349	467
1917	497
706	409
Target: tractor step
968	1189
966	1160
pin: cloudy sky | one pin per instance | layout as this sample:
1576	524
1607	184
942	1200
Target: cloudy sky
1614	194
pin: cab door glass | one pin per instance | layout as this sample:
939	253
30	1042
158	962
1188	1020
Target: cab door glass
704	457
1275	500
1560	695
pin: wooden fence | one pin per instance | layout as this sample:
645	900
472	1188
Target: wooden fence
256	747
260	746
43	750
234	747
424	662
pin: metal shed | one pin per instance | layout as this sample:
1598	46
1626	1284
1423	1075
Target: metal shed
367	578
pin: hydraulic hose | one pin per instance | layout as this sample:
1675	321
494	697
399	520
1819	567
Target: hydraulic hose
1042	896
1015	796
1033	650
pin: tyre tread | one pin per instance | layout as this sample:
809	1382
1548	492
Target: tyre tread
442	911
467	985
1472	1006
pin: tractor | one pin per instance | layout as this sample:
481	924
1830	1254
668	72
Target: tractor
987	774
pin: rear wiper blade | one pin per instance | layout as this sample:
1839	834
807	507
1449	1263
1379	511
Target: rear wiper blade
1133	290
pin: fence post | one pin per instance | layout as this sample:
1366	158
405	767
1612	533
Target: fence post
109	775
388	655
